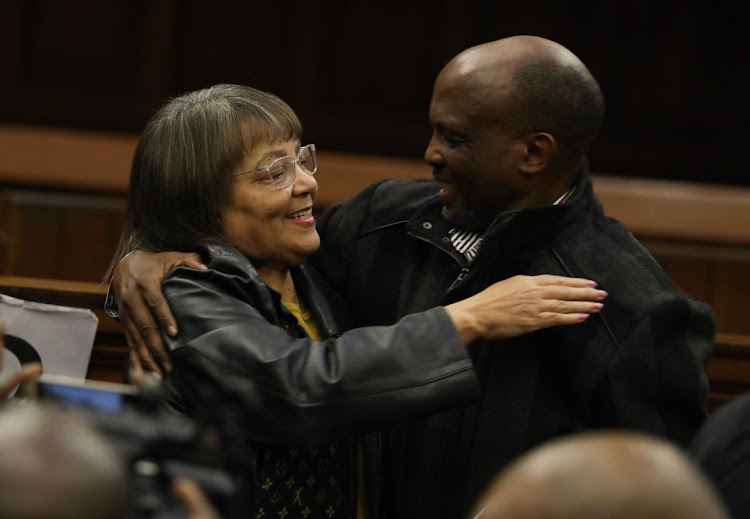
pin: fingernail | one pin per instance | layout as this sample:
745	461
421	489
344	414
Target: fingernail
592	283
603	293
172	330
583	317
597	306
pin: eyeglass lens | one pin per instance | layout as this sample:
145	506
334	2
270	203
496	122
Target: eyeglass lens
282	171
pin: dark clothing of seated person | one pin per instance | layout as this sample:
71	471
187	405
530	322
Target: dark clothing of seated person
222	172
722	449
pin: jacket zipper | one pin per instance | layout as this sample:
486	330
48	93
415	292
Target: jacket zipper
464	270
461	276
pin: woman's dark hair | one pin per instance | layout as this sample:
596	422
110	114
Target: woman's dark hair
181	172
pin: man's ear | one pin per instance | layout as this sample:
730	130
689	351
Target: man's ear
539	150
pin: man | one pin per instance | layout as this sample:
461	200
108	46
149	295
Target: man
512	123
602	475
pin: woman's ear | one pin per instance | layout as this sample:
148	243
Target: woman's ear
539	150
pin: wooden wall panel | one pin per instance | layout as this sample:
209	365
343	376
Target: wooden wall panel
732	290
360	73
59	236
692	275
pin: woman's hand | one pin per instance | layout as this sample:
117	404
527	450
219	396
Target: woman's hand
137	289
523	304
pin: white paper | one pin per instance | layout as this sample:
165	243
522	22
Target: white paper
62	336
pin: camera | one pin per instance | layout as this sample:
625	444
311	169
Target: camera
157	443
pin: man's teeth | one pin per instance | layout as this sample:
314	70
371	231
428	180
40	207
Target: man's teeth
307	213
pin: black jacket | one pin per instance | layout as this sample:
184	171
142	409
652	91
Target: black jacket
237	340
638	364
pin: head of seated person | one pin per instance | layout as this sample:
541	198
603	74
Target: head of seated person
602	475
225	164
54	465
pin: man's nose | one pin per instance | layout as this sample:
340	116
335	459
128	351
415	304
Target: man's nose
433	154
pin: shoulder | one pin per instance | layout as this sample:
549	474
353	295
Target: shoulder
227	267
604	249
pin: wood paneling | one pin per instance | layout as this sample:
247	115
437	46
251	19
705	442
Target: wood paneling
58	235
360	73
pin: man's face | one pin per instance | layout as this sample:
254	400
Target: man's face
473	154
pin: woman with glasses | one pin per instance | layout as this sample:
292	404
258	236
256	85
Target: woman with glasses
222	172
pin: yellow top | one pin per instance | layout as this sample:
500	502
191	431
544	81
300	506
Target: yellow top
306	321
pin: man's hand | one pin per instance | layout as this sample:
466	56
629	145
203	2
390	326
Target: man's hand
137	288
523	304
194	502
27	372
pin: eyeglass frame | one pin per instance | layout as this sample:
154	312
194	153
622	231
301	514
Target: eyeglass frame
295	162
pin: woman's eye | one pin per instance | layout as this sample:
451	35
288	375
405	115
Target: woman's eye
276	173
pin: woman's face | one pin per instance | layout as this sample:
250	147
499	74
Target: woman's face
273	227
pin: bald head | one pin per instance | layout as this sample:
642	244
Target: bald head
603	475
532	84
54	466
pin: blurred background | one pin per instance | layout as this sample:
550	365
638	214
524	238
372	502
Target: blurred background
360	73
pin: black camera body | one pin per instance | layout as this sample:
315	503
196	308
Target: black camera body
157	443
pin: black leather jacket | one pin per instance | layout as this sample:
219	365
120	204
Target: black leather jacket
237	339
639	364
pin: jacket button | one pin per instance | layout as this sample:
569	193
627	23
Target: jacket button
446	239
426	225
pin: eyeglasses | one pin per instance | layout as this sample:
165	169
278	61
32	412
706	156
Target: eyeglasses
282	171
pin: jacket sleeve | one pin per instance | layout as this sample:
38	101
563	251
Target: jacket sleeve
292	391
656	379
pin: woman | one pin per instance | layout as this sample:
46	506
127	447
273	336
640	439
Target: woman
221	172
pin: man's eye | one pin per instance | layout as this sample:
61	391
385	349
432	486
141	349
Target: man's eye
456	140
453	140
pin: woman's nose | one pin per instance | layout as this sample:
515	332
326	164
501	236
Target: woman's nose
304	182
